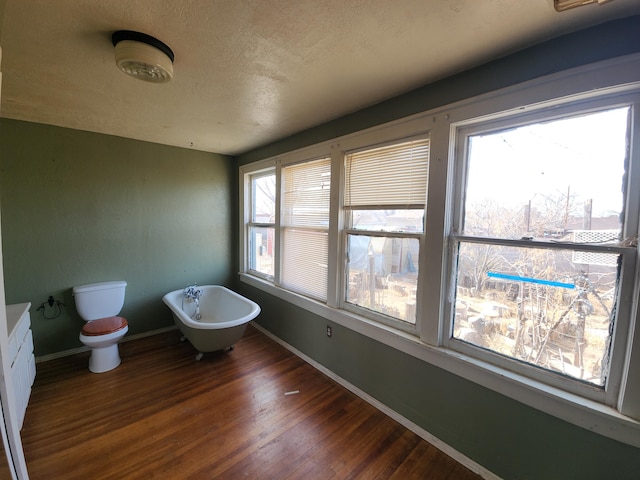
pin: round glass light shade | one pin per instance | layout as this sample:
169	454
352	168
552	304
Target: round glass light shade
143	61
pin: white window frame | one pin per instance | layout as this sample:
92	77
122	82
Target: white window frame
616	416
348	230
249	201
544	112
284	227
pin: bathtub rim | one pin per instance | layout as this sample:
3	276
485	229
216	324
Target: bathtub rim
176	309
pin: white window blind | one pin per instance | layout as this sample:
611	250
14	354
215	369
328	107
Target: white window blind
305	196
305	224
304	262
390	175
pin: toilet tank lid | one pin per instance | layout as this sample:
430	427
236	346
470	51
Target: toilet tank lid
99	286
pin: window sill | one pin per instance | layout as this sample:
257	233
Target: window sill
569	407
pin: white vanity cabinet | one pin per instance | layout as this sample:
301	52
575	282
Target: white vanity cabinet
23	363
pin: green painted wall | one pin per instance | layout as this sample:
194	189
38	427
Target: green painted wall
510	439
80	207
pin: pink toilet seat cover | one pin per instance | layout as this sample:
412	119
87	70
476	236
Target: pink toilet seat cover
103	326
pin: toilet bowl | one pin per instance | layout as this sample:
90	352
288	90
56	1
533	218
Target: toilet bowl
99	304
102	337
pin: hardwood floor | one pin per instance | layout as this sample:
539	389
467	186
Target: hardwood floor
232	415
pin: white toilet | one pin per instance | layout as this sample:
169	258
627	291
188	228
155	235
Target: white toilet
99	304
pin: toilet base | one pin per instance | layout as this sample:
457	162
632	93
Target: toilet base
103	359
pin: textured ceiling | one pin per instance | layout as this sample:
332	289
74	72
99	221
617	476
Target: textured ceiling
249	72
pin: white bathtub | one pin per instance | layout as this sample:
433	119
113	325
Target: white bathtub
224	315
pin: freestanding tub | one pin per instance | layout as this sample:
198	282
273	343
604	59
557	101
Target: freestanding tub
216	321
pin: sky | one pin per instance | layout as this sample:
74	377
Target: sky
584	154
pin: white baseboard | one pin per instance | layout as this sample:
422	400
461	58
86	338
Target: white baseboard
127	338
408	424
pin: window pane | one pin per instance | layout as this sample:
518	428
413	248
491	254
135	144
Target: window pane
261	250
387	220
391	175
382	275
548	180
305	214
305	196
304	262
549	308
263	191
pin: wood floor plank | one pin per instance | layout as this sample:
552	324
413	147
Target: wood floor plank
163	415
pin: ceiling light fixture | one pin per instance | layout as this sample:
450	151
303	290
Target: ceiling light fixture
143	56
562	5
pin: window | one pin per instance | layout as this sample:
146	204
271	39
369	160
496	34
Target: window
539	255
495	238
305	226
261	224
384	202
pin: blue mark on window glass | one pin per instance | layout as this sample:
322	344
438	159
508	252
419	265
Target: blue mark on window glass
540	281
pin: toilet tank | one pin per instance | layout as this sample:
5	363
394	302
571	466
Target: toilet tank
99	300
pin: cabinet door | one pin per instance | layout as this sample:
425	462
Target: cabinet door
20	384
31	361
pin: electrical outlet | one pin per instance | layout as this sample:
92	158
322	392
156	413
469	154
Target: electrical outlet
329	332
